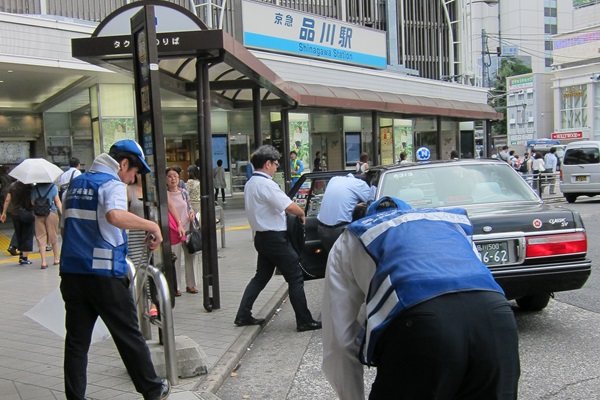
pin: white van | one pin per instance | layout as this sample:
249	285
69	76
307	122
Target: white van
580	171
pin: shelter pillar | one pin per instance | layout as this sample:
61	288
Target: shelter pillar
256	114
210	266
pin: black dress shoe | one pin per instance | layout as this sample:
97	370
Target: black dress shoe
309	326
13	251
165	390
249	321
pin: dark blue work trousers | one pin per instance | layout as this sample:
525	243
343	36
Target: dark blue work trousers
275	250
88	297
459	346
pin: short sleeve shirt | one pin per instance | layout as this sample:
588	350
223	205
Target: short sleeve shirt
265	203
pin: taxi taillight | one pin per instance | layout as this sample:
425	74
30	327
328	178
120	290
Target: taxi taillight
555	245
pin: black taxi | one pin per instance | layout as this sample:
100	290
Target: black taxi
533	249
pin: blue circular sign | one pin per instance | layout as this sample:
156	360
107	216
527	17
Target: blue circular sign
423	154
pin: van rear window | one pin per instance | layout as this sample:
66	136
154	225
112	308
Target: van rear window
589	155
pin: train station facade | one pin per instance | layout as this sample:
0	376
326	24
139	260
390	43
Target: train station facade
340	101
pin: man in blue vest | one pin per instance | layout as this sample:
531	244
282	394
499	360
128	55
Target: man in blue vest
405	291
296	167
93	269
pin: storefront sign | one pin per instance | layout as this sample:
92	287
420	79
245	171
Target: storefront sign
289	31
567	135
520	82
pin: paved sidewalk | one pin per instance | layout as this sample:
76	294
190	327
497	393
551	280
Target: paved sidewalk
32	356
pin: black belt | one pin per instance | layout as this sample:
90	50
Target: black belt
334	226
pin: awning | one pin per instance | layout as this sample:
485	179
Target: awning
313	95
238	77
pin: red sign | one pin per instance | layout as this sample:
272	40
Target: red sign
567	135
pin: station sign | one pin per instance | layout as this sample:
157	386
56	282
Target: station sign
288	31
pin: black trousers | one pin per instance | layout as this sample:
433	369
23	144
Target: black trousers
457	346
275	250
222	194
88	297
329	234
22	239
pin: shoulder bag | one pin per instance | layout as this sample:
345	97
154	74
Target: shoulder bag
193	239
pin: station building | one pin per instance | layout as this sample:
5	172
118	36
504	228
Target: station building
330	85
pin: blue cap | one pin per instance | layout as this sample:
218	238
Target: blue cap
131	146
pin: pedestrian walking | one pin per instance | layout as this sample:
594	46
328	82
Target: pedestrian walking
183	214
93	271
296	166
537	167
193	187
73	172
18	204
362	165
551	164
219	180
317	162
426	311
266	208
46	220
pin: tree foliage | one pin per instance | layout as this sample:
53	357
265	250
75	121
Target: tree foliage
509	66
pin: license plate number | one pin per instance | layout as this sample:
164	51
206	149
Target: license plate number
494	253
581	179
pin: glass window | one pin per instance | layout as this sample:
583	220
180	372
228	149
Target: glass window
456	185
589	155
573	107
549	61
549	45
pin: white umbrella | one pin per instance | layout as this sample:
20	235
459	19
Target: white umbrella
36	170
50	313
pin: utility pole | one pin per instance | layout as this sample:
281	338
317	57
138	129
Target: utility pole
483	53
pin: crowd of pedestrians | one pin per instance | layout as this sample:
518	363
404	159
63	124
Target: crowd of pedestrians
537	169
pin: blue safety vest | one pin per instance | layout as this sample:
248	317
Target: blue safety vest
419	255
84	249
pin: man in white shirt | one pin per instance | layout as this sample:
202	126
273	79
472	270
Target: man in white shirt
406	292
73	172
266	208
551	162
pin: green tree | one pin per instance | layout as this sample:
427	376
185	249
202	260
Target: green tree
509	66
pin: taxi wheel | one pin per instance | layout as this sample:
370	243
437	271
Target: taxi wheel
570	198
534	302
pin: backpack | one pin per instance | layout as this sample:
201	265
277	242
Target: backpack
63	188
41	205
523	167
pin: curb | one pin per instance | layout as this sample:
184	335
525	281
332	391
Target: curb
213	381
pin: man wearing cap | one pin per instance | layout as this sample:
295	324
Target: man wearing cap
406	291
93	269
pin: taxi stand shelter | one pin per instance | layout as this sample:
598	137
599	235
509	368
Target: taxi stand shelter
208	65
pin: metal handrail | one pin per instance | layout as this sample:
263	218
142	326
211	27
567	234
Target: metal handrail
139	279
540	181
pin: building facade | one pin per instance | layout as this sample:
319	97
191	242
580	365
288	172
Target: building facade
340	108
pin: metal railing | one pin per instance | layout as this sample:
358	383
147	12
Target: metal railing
547	185
139	283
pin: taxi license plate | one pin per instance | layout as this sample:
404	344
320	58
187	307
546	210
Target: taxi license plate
581	179
495	253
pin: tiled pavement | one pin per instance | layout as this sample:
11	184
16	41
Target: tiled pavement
31	356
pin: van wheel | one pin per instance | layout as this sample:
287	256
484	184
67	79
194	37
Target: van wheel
534	302
571	198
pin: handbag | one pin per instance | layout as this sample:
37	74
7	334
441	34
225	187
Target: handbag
193	240
26	216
